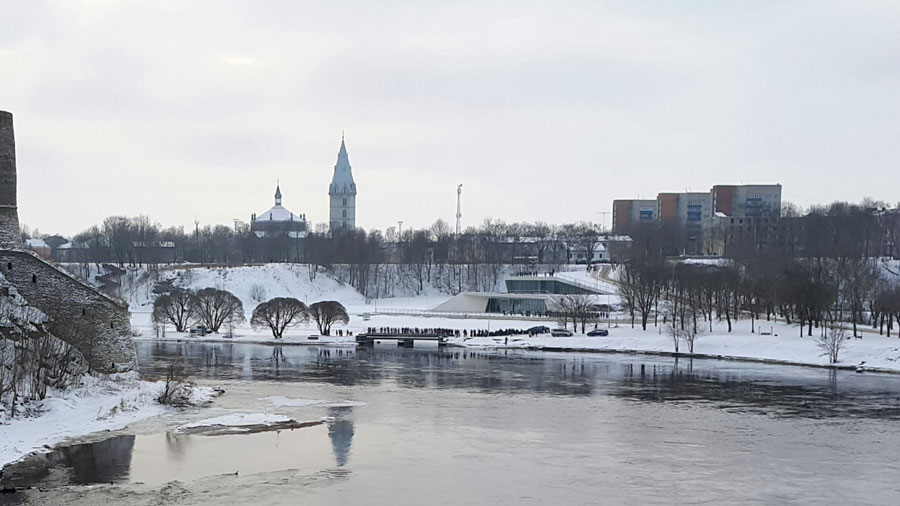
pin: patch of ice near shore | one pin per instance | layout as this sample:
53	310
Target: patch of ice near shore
288	402
236	420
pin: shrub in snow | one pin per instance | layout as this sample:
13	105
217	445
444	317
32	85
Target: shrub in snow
177	390
258	292
832	342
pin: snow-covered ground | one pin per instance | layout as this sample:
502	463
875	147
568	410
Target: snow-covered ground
276	280
98	404
785	344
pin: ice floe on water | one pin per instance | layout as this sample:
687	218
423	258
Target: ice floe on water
287	402
236	420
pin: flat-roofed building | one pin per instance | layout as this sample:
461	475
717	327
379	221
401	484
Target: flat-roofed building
747	201
628	213
703	216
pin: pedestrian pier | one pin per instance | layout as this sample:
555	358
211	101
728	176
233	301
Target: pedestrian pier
403	340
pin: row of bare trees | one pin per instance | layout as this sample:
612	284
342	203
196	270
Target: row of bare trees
214	308
281	313
820	271
810	293
210	307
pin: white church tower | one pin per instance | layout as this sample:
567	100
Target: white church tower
343	194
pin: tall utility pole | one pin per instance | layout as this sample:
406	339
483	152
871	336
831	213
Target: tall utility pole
604	213
458	208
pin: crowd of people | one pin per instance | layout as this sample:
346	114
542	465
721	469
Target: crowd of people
413	331
442	332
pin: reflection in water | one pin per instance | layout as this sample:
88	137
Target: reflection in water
340	430
789	391
106	461
512	428
822	398
177	445
161	458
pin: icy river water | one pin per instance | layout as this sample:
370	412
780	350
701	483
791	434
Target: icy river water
455	427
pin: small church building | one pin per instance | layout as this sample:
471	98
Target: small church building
278	220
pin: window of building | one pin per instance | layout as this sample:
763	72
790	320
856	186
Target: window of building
34	278
344	213
345	201
9	266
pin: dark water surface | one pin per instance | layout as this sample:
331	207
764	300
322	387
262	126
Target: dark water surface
463	427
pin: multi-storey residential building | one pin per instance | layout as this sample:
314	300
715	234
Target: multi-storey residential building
705	218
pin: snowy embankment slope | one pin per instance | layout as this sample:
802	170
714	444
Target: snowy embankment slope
98	404
784	345
294	280
276	280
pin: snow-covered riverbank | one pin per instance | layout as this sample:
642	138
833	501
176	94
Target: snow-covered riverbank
782	344
770	342
98	404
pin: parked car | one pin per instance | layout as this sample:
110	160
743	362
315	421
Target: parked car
598	333
539	329
199	331
561	333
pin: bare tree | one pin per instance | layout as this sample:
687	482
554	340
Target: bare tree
279	314
689	335
579	308
213	308
832	342
175	308
326	314
258	292
675	333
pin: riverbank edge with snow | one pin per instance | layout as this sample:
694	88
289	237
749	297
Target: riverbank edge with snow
516	344
100	404
706	356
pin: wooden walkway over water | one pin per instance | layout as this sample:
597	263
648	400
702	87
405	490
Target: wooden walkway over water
403	340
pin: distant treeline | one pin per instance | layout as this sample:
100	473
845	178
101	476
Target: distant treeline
376	263
138	241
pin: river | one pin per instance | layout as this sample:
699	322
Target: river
463	427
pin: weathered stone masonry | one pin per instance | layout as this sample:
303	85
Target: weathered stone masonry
93	322
9	218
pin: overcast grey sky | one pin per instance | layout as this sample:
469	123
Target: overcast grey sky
544	110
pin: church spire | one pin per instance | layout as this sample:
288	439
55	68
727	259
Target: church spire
342	181
277	194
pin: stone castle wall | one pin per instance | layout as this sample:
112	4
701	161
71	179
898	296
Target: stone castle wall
9	220
97	325
10	236
94	323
